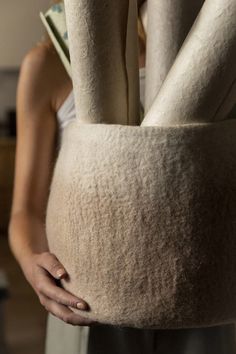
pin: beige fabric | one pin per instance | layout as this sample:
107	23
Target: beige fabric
143	219
201	86
168	24
63	338
104	58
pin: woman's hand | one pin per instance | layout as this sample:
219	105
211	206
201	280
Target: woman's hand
43	272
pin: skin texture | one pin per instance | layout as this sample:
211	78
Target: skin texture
42	88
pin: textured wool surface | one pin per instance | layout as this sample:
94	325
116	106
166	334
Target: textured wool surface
144	221
168	25
103	47
201	84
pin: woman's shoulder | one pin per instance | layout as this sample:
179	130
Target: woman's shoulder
44	72
40	52
41	59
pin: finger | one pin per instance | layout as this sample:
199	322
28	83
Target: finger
65	314
50	262
47	286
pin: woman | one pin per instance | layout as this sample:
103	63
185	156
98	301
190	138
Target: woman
44	106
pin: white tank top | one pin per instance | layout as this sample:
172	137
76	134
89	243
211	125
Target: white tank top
66	112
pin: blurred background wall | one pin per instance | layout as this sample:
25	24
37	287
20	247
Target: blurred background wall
20	28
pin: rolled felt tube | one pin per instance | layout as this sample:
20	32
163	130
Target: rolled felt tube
200	87
168	25
104	59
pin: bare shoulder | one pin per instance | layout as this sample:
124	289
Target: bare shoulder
39	54
44	59
40	62
43	76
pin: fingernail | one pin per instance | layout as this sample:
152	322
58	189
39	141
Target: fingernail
60	273
81	306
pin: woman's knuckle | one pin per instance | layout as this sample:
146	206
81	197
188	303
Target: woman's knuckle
71	303
55	265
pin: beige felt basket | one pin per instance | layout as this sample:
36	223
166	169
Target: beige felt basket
144	221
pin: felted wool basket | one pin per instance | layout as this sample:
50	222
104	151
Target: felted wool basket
144	221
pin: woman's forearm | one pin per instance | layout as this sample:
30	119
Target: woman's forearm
26	236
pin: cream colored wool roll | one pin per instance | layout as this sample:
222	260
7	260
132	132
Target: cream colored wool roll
143	219
201	85
104	60
168	25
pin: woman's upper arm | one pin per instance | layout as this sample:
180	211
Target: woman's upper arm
36	135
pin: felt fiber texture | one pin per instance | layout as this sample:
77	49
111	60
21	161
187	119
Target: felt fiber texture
104	59
143	219
201	84
168	25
